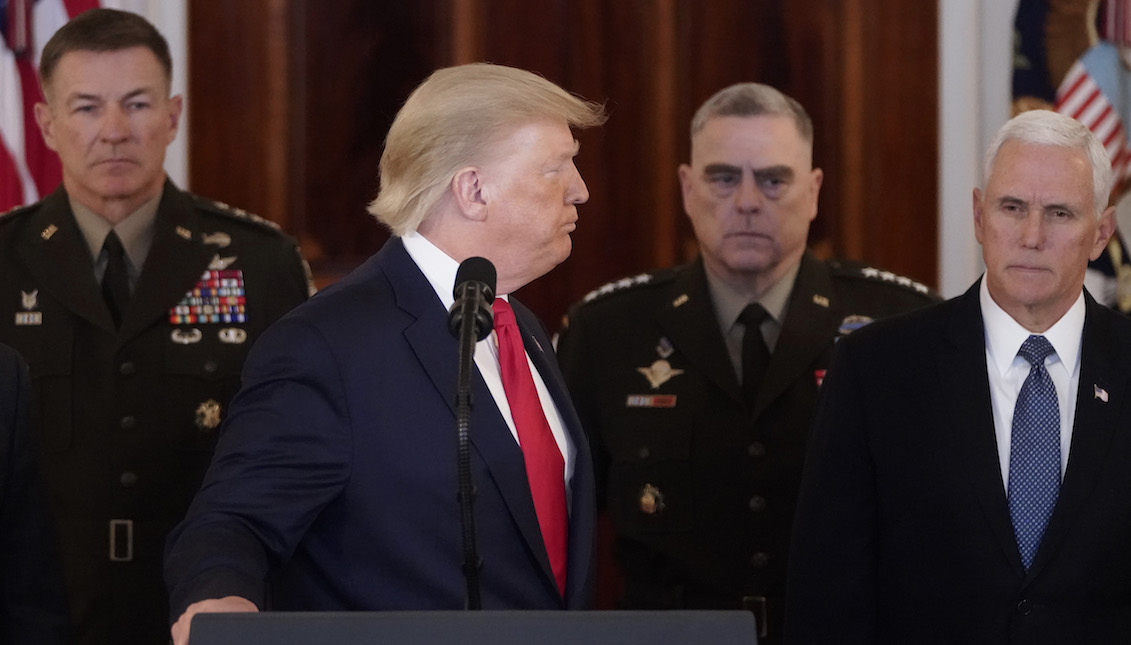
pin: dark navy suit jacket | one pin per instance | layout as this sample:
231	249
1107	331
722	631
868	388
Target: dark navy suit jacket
903	532
334	482
32	606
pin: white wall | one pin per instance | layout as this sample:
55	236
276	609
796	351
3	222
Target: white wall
170	18
975	45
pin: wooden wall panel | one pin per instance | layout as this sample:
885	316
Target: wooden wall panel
291	100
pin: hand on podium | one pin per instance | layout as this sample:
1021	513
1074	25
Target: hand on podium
227	604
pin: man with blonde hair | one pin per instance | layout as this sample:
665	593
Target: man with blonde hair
335	478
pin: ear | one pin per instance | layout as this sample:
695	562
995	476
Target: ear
176	108
686	184
469	192
978	215
45	119
816	177
1104	232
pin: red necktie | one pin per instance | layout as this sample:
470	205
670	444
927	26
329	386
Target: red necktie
545	467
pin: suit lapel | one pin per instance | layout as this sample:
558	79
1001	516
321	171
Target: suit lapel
966	399
583	508
58	258
437	351
1097	420
174	265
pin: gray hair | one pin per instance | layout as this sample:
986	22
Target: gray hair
1048	128
752	99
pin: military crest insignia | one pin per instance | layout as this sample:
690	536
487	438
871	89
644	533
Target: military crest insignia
208	415
29	317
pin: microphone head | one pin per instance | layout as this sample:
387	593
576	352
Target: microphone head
479	270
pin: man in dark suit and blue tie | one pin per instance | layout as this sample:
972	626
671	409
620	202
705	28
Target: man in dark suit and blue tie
969	474
334	482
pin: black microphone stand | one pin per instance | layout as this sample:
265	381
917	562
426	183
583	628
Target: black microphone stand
468	336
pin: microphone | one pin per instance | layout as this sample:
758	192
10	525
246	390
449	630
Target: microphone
470	319
474	291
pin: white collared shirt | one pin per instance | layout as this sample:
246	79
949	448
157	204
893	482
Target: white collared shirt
441	273
1007	370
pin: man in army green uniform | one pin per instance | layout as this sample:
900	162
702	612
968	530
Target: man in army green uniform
698	430
134	304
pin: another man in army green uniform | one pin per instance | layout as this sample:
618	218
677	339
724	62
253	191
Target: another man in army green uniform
134	304
699	470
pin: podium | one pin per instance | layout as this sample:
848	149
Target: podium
477	627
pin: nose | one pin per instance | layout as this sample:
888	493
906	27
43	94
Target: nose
748	199
115	125
1033	229
578	192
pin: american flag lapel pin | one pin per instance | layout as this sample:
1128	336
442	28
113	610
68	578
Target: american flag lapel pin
1099	393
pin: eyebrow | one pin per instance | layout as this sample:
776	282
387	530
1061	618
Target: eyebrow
96	97
768	171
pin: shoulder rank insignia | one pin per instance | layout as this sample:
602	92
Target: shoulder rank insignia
217	298
658	373
623	283
888	276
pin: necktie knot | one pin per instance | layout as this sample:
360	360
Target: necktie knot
1035	349
504	314
113	245
753	315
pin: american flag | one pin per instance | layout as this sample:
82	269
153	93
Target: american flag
1085	90
28	169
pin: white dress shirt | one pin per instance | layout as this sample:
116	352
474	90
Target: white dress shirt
1007	370
441	273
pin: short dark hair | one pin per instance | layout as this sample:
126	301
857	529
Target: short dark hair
103	30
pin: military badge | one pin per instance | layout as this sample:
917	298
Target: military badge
219	264
49	232
233	335
658	373
208	415
852	323
217	298
183	232
186	337
649	401
220	239
820	301
665	349
27	318
651	500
